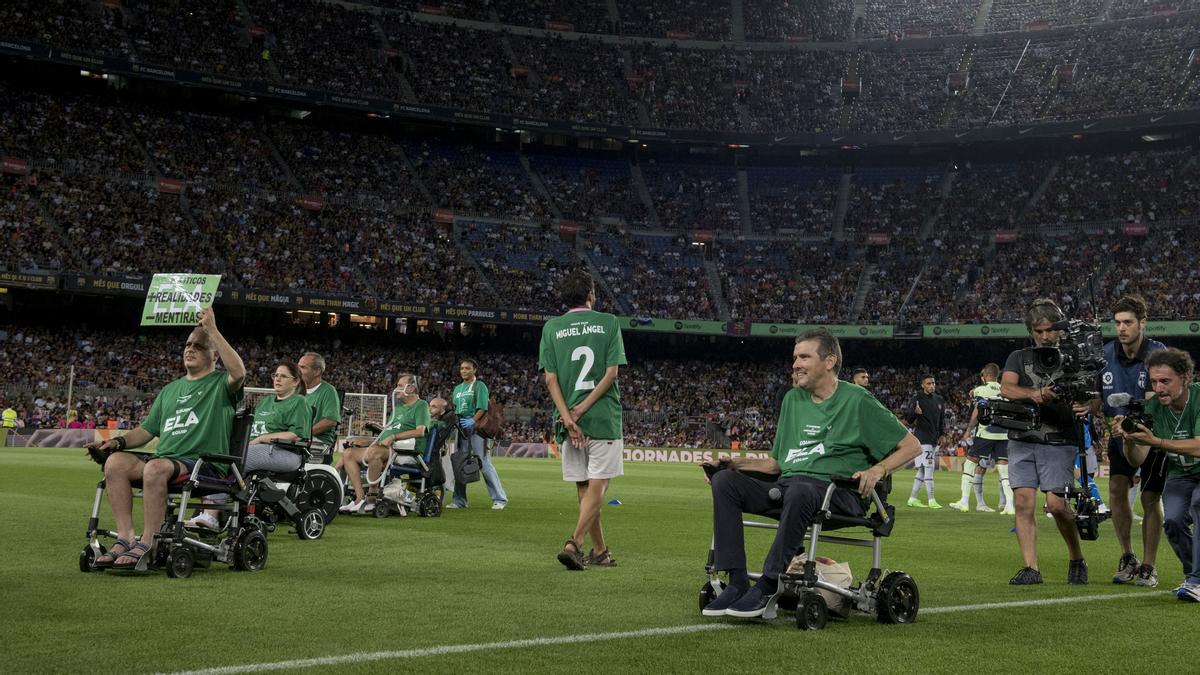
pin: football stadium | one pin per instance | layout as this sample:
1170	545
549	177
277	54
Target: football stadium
599	335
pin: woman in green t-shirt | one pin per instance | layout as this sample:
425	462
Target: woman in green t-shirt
470	400
284	417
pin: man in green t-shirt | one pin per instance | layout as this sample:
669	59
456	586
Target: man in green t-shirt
1175	410
409	421
322	397
190	416
827	427
580	353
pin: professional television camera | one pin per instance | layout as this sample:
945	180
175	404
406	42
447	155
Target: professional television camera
1072	371
1074	366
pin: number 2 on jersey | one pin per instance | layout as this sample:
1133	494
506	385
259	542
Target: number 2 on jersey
589	359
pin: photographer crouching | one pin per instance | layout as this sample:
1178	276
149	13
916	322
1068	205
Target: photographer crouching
1043	458
1170	422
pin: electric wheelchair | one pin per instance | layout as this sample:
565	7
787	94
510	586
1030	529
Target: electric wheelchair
241	542
893	598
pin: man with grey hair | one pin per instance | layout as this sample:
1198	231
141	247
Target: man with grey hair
409	421
1042	459
322	398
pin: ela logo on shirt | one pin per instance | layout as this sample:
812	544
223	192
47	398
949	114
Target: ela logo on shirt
178	422
808	450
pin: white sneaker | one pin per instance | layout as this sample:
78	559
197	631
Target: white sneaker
984	508
958	506
499	506
452	505
1103	508
1188	592
1137	518
203	520
351	507
369	508
1009	511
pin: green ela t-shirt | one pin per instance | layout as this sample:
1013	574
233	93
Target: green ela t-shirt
406	418
273	416
328	406
578	347
470	397
1182	427
192	417
847	432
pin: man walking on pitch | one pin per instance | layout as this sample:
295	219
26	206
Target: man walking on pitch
926	413
580	354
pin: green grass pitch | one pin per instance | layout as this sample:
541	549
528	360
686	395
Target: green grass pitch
482	576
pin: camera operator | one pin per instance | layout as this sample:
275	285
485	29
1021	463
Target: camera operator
1043	459
1126	374
1175	415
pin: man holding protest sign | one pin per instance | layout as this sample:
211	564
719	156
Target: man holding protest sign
190	416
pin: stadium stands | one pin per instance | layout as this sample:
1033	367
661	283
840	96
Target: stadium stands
1104	69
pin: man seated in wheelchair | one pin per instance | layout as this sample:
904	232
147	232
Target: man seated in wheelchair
827	427
191	416
282	417
409	422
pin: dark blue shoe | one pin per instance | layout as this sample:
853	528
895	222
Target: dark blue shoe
722	602
750	605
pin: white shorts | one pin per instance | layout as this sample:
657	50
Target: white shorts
600	459
925	459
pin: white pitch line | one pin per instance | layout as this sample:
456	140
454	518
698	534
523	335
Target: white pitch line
459	649
366	657
1037	603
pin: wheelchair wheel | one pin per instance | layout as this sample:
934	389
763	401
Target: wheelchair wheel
250	551
87	558
811	612
430	506
311	524
707	594
382	510
898	599
320	491
180	563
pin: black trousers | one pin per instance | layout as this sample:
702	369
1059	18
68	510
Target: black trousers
736	493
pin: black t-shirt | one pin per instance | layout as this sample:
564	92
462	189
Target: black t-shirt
1058	420
927	426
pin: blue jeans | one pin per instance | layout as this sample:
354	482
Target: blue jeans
474	442
1181	517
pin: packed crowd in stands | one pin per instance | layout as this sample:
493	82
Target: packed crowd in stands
793	198
694	196
653	275
324	45
808	282
896	19
245	210
773	20
1019	14
904	88
685	19
116	375
212	38
1099	70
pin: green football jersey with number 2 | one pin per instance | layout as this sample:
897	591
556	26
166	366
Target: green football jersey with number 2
578	347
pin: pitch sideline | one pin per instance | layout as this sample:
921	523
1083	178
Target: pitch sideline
366	657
